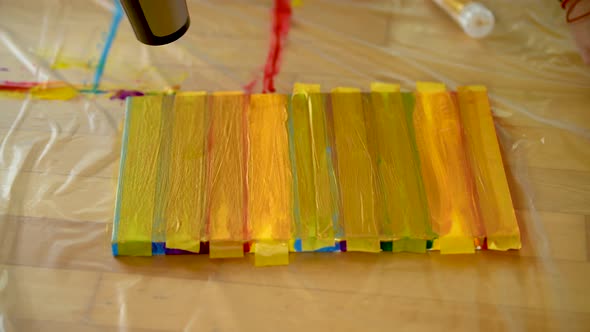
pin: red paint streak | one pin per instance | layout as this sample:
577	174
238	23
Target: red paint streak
281	22
249	88
17	86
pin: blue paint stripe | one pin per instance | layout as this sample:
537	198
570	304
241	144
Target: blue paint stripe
298	246
117	16
124	144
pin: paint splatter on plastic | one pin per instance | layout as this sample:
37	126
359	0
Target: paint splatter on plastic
123	94
281	22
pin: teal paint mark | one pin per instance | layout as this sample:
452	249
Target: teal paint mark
117	16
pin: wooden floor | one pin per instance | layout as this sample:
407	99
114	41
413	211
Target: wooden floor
58	164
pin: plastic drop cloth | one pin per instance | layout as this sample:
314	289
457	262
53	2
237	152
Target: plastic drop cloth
59	159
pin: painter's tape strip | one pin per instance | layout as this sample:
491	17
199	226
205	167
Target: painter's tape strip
456	245
409	245
304	88
504	242
430	87
385	87
226	249
271	253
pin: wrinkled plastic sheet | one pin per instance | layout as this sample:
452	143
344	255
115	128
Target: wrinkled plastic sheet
59	160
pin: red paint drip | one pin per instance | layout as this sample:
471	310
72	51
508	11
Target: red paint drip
281	22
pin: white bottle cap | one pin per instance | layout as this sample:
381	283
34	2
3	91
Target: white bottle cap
476	20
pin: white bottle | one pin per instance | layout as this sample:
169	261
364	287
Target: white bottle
476	20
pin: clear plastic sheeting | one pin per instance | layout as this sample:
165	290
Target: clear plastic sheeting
59	162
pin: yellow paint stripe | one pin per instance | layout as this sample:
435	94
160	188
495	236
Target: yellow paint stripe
401	198
140	176
445	169
495	203
355	171
226	176
185	209
270	182
315	201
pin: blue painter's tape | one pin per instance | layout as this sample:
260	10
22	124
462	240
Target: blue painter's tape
115	248
336	247
298	246
158	248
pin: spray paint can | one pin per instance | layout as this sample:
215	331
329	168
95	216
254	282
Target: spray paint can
157	22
